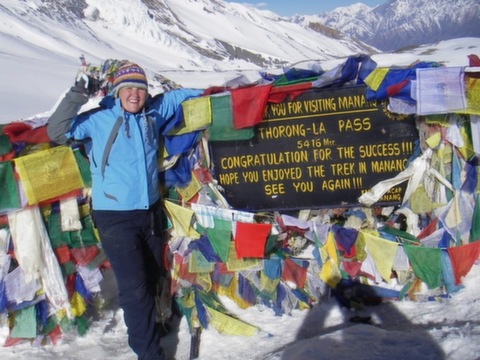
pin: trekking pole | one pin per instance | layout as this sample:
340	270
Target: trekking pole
195	342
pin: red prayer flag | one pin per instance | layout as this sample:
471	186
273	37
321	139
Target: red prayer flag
462	258
474	60
62	253
23	132
429	229
248	105
250	239
55	335
280	93
84	256
70	285
392	90
352	268
294	273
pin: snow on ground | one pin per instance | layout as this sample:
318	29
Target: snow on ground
442	329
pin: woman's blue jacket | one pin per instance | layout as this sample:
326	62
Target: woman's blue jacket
127	179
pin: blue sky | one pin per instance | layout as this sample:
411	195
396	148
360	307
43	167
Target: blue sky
305	7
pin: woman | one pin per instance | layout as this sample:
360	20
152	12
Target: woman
122	143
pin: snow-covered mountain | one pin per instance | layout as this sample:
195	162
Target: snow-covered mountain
403	23
164	36
195	43
194	34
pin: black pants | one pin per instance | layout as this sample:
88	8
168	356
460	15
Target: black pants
135	253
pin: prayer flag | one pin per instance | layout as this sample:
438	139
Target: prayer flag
236	264
48	174
83	167
181	218
26	132
6	152
192	188
77	304
440	90
226	324
462	258
25	324
220	237
198	263
475	230
196	115
293	273
330	273
472	90
375	78
9	198
345	238
426	264
250	239
331	248
383	254
222	128
248	105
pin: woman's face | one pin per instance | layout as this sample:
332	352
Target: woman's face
132	99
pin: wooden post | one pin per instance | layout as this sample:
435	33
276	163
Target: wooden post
195	342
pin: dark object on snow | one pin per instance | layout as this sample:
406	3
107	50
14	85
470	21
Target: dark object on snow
195	343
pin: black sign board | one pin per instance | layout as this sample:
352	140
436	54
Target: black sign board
323	148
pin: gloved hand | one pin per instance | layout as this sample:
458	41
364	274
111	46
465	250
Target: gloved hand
87	84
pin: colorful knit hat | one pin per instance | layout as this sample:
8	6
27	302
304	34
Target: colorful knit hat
129	75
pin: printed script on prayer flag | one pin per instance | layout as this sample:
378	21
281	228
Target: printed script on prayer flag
48	174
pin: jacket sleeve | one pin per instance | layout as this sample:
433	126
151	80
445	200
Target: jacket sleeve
60	121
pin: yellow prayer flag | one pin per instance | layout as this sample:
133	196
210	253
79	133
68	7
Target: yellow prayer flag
466	150
78	305
375	78
267	284
226	324
205	281
191	189
472	92
234	264
383	253
48	174
198	263
323	254
331	247
434	140
197	114
360	252
453	217
330	274
231	291
181	218
189	300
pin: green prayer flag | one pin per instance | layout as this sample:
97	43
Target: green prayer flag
25	324
271	244
56	235
82	325
403	235
426	263
475	229
5	145
68	268
222	128
219	237
50	325
84	237
9	199
83	167
198	263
